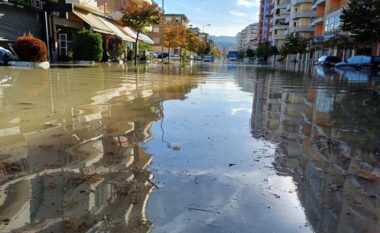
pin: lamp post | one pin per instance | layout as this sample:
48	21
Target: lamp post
162	28
206	25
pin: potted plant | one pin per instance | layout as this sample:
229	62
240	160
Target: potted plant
32	52
87	47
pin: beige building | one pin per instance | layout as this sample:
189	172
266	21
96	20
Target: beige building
279	22
157	30
300	18
248	38
113	8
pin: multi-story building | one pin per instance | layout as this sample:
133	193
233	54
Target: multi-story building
265	23
113	8
301	14
279	24
157	29
248	38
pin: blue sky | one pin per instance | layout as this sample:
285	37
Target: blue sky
227	17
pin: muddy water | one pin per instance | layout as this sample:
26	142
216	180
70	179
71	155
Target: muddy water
211	148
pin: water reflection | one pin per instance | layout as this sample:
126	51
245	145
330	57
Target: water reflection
71	158
328	133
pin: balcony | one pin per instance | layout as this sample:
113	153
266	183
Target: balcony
287	20
286	32
281	6
280	17
279	37
280	27
288	7
318	3
316	21
296	2
303	14
303	28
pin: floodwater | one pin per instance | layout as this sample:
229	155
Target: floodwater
207	148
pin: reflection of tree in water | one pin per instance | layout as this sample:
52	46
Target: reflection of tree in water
93	174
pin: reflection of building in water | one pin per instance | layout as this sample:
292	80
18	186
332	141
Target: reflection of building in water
338	183
79	168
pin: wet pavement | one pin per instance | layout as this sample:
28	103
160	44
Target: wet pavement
207	148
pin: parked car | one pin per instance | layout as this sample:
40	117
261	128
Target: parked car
173	57
259	61
208	58
197	58
360	62
328	61
6	56
163	55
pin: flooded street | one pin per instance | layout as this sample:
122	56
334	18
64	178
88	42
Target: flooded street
208	148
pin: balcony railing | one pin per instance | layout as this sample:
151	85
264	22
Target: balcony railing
296	2
281	6
317	3
288	7
280	27
279	37
303	28
279	17
303	14
316	21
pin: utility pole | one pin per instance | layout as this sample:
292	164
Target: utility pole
163	30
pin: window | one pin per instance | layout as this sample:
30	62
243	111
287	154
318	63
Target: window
178	19
63	44
156	29
295	24
168	19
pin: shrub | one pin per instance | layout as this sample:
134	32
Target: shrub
87	46
29	48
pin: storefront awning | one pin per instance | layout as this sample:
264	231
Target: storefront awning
95	22
117	30
146	39
142	36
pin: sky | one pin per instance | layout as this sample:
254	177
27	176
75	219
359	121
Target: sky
227	17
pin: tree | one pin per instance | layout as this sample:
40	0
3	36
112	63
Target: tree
265	50
141	16
241	54
174	36
215	52
250	52
362	19
294	44
88	45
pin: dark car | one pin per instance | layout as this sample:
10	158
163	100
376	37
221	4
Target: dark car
163	55
361	62
328	60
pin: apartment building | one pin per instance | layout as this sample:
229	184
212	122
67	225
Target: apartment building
157	29
279	24
327	20
301	14
265	23
113	8
248	38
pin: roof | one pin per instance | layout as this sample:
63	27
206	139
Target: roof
183	16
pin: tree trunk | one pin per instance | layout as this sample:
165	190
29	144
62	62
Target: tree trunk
136	43
169	55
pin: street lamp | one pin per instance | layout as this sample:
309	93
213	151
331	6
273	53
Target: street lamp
162	28
206	25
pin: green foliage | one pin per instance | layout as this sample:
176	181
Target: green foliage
87	45
293	45
29	48
362	19
145	46
241	54
250	53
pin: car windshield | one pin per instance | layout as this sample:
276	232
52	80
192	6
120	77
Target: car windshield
323	58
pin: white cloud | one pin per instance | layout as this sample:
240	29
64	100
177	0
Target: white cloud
237	13
245	3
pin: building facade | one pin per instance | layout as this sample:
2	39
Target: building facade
248	38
